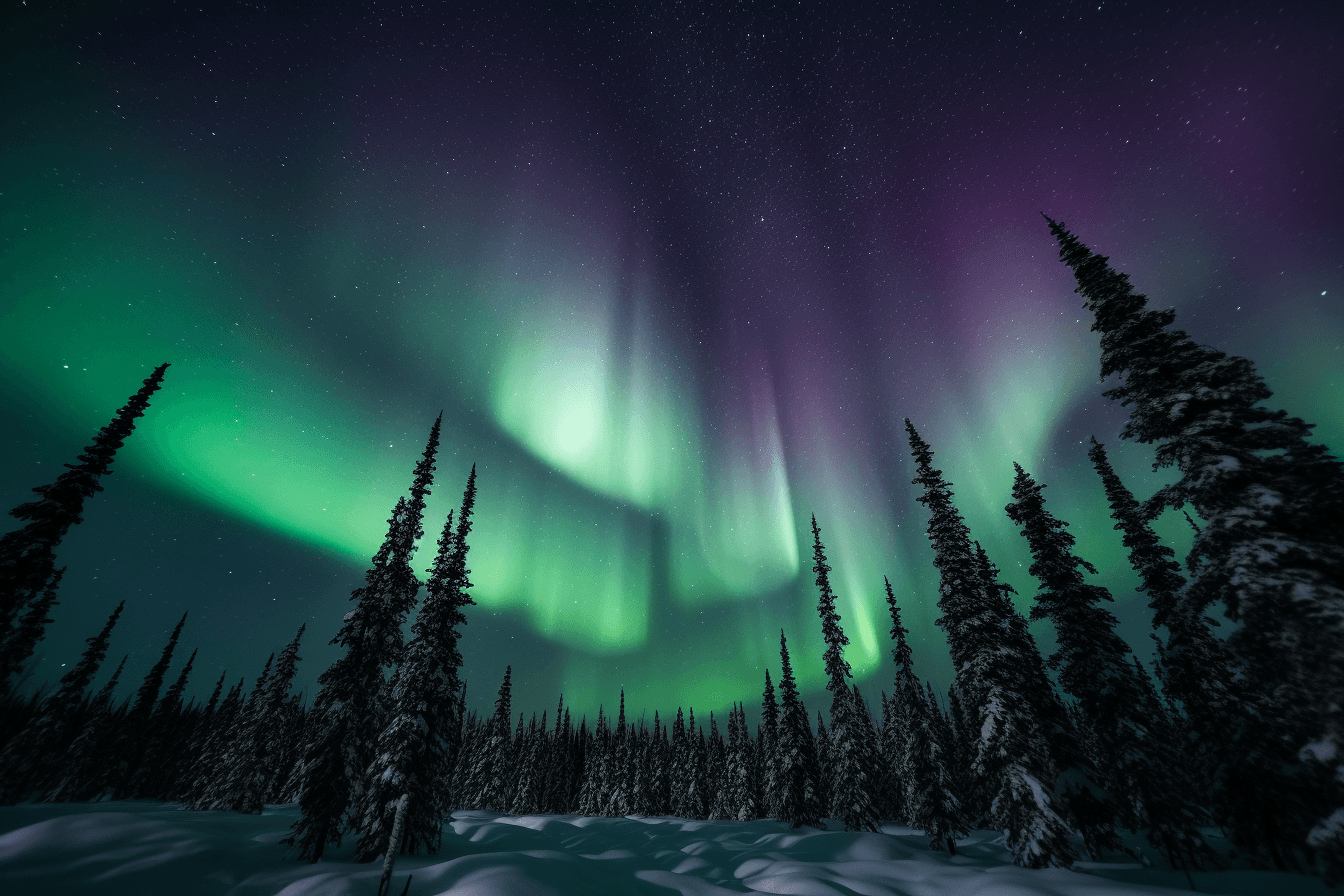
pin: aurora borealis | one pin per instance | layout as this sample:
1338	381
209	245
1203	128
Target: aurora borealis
673	277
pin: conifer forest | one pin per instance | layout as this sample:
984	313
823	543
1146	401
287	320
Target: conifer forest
589	448
1057	751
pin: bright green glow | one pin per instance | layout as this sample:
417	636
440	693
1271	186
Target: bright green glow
604	412
576	567
661	543
237	425
743	539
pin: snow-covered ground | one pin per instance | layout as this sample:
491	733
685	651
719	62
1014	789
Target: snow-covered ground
147	849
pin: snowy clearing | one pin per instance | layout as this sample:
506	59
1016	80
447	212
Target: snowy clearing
148	849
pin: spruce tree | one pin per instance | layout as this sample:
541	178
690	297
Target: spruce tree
28	554
1096	667
766	739
1272	502
1235	742
590	789
31	760
869	749
156	777
931	788
135	734
718	804
678	768
86	774
1014	766
900	713
29	629
617	783
698	795
526	798
660	776
278	717
740	784
347	713
853	778
492	760
417	748
244	774
798	790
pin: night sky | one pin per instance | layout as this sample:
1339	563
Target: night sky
674	273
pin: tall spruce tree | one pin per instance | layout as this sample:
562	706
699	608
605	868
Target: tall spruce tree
1232	740
156	777
1272	545
487	782
1196	669
766	739
1014	766
1096	667
419	745
931	788
85	773
900	715
242	776
28	554
854	777
135	735
347	714
799	792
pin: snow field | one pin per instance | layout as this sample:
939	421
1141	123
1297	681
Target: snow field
159	849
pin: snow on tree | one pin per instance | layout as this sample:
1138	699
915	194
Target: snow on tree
591	794
1096	667
492	761
716	775
931	792
347	714
853	774
1271	547
1014	766
767	737
245	771
798	791
417	748
899	713
616	782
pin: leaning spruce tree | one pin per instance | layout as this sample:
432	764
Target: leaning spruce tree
855	778
1096	668
1233	741
1271	548
347	713
28	554
417	748
1013	765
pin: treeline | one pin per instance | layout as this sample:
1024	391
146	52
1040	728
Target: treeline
1244	731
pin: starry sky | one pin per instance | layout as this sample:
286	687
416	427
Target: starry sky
673	272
